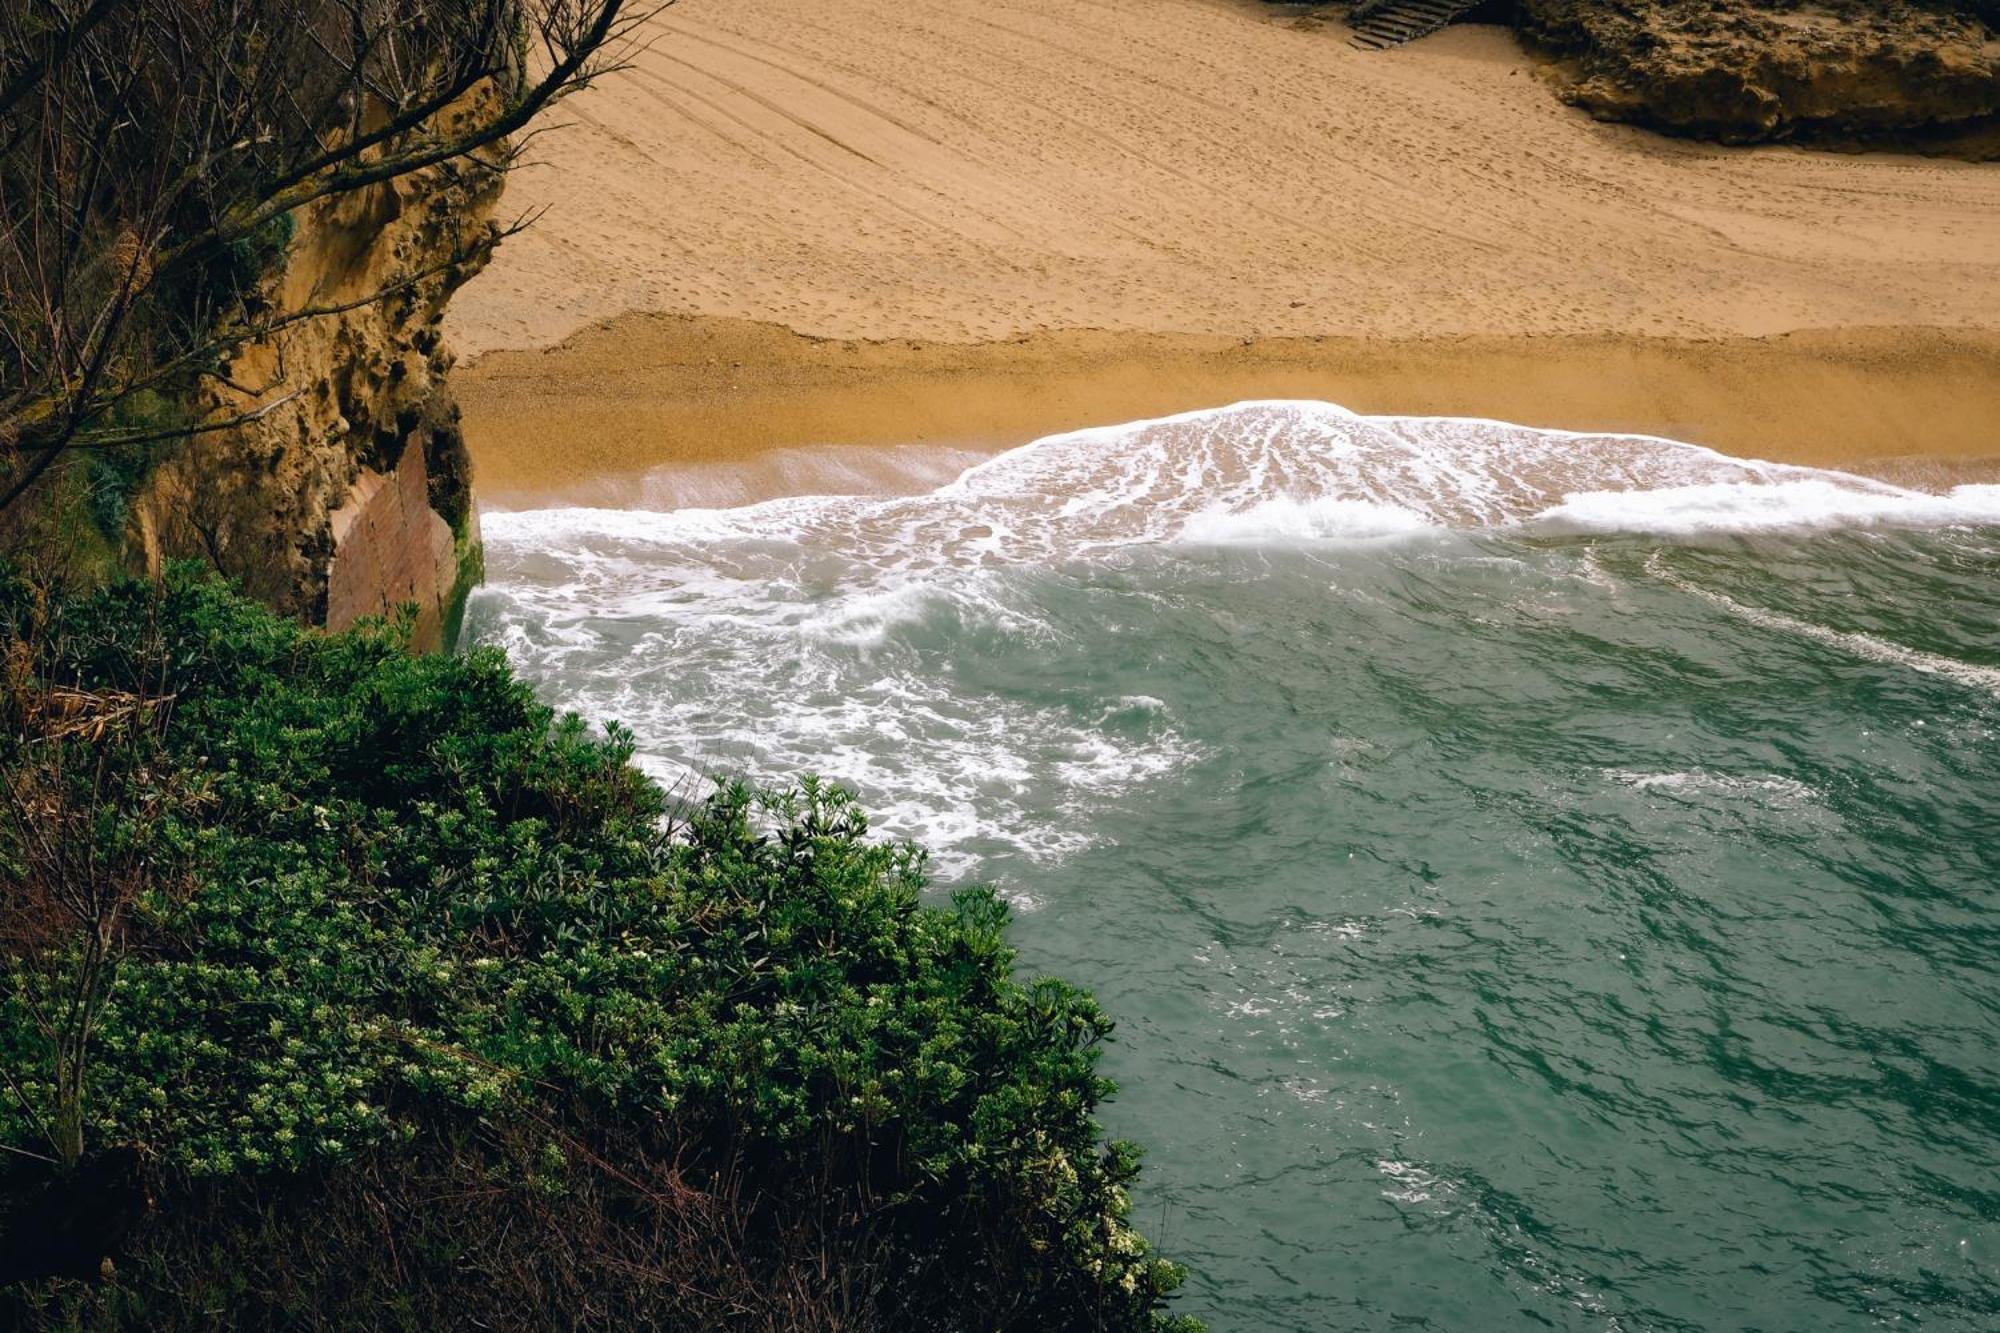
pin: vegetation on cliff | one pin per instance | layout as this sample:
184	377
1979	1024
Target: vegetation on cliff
418	1006
228	229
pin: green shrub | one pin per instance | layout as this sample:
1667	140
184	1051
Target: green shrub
713	1067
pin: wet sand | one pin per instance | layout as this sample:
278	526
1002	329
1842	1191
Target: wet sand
967	223
585	422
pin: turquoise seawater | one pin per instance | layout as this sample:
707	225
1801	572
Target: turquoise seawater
1542	881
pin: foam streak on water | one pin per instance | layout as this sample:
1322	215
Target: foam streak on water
1543	879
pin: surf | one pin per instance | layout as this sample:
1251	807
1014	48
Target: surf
1483	833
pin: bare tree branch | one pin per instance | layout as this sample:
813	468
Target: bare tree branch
148	149
29	64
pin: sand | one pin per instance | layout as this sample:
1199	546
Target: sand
594	421
1169	201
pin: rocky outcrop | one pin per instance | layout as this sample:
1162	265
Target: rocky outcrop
1746	71
349	495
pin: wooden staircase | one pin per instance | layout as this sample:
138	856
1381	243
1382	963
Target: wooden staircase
1383	23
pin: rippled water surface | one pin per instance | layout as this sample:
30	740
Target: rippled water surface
1543	881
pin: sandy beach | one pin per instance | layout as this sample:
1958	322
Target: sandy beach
968	224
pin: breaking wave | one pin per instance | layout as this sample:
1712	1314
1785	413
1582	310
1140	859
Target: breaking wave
843	634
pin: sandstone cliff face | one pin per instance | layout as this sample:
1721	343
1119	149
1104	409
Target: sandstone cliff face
352	496
1746	71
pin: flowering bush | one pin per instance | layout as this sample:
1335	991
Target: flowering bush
722	1054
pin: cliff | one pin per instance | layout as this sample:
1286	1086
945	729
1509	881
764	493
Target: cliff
352	495
1747	71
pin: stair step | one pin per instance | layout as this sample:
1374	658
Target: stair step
1403	21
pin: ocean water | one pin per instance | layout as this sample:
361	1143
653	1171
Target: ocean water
1543	881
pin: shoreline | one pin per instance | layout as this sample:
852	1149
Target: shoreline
585	421
783	253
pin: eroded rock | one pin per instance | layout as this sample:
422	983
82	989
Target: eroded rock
1749	71
318	507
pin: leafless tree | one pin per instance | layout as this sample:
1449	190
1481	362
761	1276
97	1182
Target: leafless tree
151	152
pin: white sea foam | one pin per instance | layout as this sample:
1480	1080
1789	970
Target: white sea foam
867	619
1808	504
1282	471
1768	788
1285	519
1411	1183
1866	646
793	634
